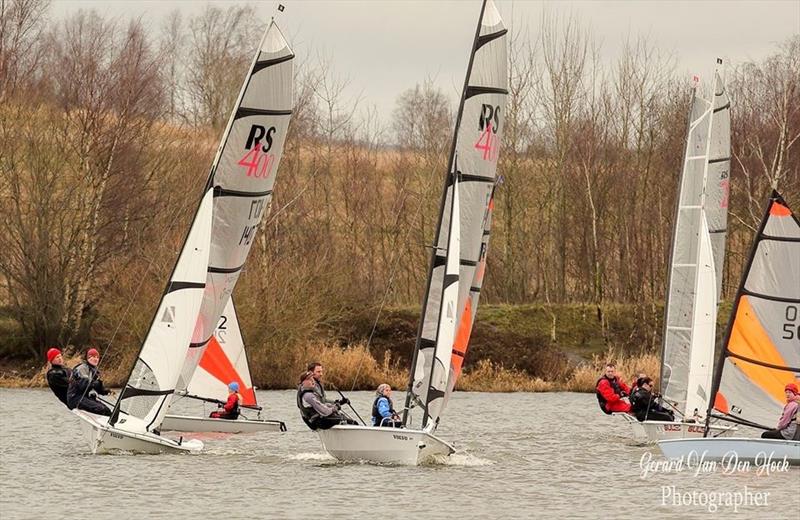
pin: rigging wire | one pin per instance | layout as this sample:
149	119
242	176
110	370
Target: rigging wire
392	273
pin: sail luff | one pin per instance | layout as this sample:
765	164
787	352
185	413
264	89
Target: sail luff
431	264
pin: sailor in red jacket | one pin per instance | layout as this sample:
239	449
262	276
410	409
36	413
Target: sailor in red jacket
230	410
612	393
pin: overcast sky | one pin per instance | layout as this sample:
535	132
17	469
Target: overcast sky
387	46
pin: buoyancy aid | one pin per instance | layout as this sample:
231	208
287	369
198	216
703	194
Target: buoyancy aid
234	410
307	412
377	418
614	383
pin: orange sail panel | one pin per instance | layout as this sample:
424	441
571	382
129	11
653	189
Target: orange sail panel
216	363
461	343
750	340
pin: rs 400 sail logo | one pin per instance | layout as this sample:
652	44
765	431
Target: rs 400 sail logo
488	123
258	160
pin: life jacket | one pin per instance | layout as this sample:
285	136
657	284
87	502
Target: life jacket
308	413
376	415
614	386
234	412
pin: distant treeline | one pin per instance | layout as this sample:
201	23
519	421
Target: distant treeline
108	131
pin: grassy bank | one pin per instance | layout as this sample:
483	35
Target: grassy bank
512	348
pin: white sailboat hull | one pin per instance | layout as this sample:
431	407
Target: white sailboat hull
108	439
649	432
383	445
749	449
183	423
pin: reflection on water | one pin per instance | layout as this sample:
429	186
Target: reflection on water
518	456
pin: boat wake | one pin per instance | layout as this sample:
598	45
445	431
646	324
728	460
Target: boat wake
323	457
465	459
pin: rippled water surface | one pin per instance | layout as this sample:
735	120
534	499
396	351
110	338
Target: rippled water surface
519	456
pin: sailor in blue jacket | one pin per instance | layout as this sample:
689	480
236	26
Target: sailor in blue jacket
383	413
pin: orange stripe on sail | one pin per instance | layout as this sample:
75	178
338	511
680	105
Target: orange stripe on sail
779	210
461	343
721	404
749	339
216	363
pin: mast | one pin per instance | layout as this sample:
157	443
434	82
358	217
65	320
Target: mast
450	165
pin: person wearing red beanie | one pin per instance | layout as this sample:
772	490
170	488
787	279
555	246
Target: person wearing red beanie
85	383
58	375
787	428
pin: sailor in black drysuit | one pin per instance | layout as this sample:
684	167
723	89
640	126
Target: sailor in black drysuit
644	406
317	414
85	379
58	375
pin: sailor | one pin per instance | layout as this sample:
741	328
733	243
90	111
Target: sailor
230	410
612	393
58	375
644	405
317	414
317	370
635	384
787	425
383	413
85	380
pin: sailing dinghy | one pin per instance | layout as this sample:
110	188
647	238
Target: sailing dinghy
236	197
243	178
456	269
134	423
224	360
695	272
761	350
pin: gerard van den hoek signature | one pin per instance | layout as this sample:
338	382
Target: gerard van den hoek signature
763	464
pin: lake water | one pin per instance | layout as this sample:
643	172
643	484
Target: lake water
518	456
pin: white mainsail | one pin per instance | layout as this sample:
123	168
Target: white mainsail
151	384
242	177
473	158
701	216
704	326
761	350
224	361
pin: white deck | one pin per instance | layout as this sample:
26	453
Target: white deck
184	423
383	445
650	432
129	437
